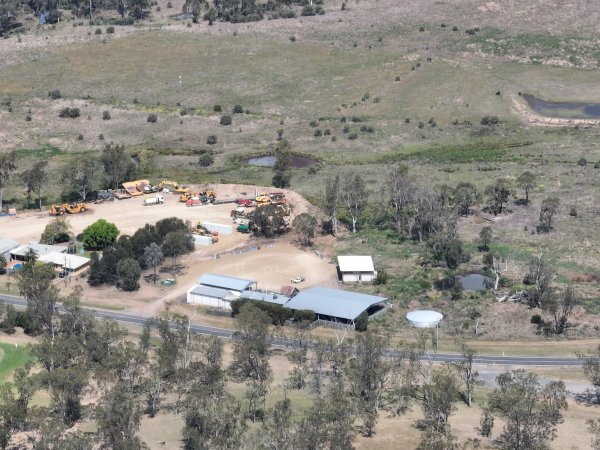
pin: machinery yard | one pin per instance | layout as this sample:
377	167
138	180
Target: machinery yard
273	263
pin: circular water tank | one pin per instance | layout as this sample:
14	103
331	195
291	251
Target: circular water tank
424	318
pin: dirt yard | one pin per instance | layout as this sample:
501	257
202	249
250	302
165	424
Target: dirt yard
271	263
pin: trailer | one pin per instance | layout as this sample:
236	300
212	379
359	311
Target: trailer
220	228
157	200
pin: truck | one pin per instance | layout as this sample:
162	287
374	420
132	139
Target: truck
157	200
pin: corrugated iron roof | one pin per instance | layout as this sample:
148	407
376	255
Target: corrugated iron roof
352	263
225	282
334	302
266	297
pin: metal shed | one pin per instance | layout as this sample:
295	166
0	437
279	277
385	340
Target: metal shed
335	304
356	269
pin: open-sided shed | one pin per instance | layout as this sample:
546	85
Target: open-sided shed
335	304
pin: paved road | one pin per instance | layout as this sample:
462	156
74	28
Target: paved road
282	342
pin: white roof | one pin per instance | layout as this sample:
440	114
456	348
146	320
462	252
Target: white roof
225	282
39	249
356	263
424	318
6	245
70	262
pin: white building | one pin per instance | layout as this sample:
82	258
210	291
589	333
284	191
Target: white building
218	290
356	269
6	245
73	264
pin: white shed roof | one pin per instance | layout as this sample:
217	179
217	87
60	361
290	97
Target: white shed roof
70	262
6	245
352	263
225	282
40	249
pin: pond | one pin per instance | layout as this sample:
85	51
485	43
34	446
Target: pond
475	282
297	162
566	110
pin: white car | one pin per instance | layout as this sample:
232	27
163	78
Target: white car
297	280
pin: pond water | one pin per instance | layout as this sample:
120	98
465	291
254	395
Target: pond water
475	282
567	110
297	162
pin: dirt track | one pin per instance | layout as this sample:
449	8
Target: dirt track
272	266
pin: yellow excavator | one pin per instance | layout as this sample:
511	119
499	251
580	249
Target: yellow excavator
174	185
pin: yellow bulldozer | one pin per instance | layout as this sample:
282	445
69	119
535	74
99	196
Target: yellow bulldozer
65	208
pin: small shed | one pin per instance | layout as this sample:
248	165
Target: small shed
65	262
218	290
356	269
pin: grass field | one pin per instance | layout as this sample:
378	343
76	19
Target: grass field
12	357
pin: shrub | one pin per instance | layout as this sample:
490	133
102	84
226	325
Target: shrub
110	30
362	322
217	108
169	5
597	165
80	137
356	119
367	129
314	123
54	94
397	78
454	28
237	109
225	120
536	319
304	315
327	132
28	118
573	212
318	133
353	136
490	120
98	31
292	38
105	115
308	10
101	137
71	113
381	278
346	129
206	160
421	125
152	118
211	140
421	28
582	162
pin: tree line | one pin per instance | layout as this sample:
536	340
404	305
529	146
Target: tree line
79	177
170	369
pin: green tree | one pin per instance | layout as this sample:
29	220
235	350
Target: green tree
12	418
305	225
7	160
438	399
67	387
100	235
251	348
527	182
35	180
465	196
175	244
3	263
283	163
560	306
370	377
591	369
485	238
119	417
354	195
498	194
117	165
129	273
57	231
466	371
82	175
154	257
331	201
96	273
540	277
269	221
548	210
593	426
529	411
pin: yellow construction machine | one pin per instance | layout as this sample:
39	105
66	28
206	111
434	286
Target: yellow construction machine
174	185
59	210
